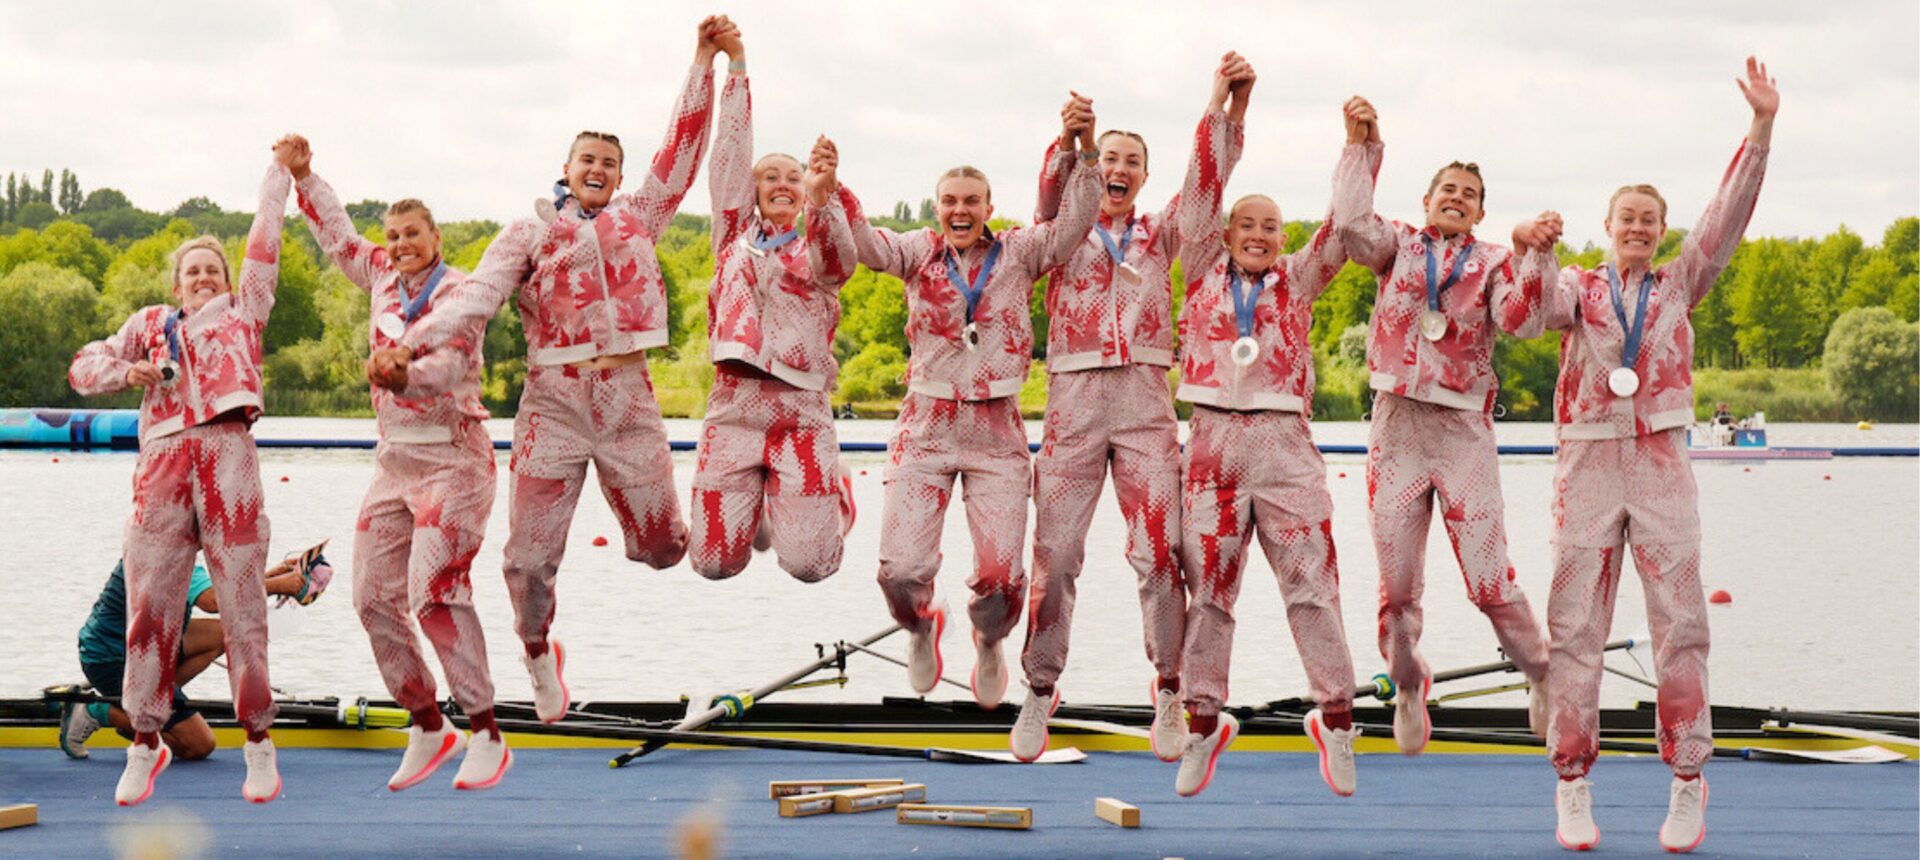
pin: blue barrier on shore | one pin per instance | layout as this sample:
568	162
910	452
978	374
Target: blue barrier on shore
120	429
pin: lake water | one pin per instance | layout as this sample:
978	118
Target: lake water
1819	557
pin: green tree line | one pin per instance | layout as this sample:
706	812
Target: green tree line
1806	329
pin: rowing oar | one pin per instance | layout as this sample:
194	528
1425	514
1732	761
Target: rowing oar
663	737
1381	687
1907	726
734	705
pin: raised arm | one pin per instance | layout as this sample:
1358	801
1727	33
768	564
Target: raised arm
260	267
1054	170
1706	251
881	249
677	163
362	261
501	273
1311	268
1216	149
1368	238
103	366
731	178
1050	243
830	251
1519	287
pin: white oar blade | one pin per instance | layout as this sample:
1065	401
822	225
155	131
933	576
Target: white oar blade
1069	755
1858	755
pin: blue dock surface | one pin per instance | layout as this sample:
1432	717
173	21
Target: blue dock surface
568	803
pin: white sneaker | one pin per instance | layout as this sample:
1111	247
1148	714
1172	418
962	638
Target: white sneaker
426	752
1537	705
76	725
1202	753
1574	802
1686	821
1411	725
263	771
1029	736
487	760
144	765
1336	753
1168	735
989	674
549	686
924	665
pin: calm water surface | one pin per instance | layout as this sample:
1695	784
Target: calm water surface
1819	557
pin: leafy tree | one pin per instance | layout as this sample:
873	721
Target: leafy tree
46	313
35	215
104	199
877	373
70	197
1769	307
367	210
1870	361
873	310
926	210
46	186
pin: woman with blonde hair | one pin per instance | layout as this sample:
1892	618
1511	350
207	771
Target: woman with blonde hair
196	485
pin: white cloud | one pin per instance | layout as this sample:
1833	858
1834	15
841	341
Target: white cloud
471	106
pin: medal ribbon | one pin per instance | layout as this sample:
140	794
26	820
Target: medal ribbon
1117	251
1630	350
979	285
411	306
770	243
1434	286
560	195
173	337
1243	308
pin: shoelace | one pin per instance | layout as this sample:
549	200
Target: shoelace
1579	801
1689	790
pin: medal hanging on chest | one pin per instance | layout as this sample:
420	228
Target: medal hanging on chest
1123	272
1245	349
1624	380
391	323
970	336
759	246
1433	323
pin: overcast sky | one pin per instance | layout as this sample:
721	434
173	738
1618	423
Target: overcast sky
471	105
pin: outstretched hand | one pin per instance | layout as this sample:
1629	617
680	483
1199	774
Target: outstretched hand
1540	234
1233	85
1764	96
704	48
823	167
1363	122
726	37
292	152
387	368
1076	122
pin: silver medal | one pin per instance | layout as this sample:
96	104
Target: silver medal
391	325
971	337
747	243
168	371
1623	381
1126	274
1245	350
1433	325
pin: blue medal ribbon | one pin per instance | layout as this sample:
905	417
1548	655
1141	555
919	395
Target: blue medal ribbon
1434	285
766	243
560	195
1630	350
979	285
411	306
1118	251
173	337
1243	308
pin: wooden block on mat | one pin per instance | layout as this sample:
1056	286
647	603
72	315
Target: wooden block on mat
885	797
1113	810
780	788
803	805
999	817
19	815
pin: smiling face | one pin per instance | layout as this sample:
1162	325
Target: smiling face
1255	234
777	188
1123	166
593	171
413	243
1453	201
200	276
1636	224
962	205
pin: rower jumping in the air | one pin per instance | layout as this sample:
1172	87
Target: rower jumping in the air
1442	294
769	458
968	291
1621	411
1251	464
196	486
425	514
1109	344
592	301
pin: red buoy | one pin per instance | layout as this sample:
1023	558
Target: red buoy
1343	474
1827	478
599	541
1720	595
56	459
284	479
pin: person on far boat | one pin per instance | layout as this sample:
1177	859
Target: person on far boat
1621	409
593	302
1443	294
425	513
103	654
196	485
1109	345
968	291
769	470
1250	464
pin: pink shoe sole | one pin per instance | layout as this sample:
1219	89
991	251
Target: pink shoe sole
439	758
270	796
1314	727
560	674
1046	737
506	764
166	758
1226	740
1704	791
